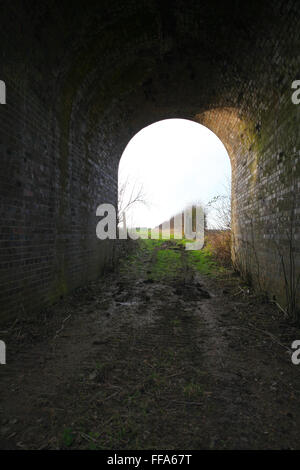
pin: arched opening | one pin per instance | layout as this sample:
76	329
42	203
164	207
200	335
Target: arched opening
170	165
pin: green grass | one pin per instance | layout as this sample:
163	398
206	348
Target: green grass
167	261
166	264
193	390
67	437
150	244
202	261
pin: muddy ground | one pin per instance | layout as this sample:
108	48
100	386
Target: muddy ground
161	355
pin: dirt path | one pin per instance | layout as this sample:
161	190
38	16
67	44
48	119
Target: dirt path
159	356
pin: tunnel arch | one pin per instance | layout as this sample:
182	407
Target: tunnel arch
83	78
180	158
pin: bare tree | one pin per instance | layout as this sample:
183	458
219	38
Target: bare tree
130	195
221	205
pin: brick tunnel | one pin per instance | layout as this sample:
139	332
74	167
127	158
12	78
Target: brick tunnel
82	78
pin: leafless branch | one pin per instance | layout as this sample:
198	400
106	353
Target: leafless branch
130	194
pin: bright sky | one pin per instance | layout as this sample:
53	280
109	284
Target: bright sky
177	162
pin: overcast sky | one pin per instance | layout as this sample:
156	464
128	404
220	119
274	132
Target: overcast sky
177	162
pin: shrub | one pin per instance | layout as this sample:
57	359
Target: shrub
219	242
